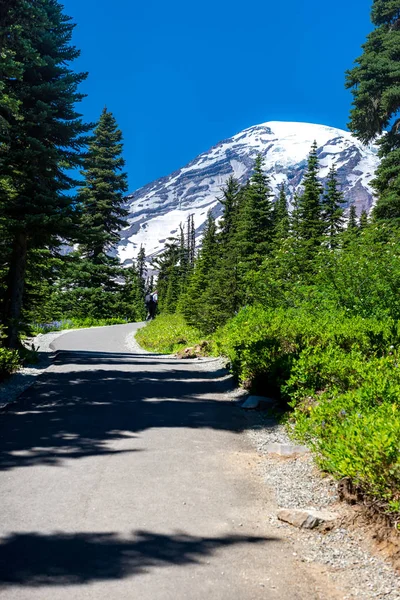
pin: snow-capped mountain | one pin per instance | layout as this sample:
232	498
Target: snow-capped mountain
157	209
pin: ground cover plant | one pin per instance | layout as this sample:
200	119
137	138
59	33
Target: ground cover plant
168	334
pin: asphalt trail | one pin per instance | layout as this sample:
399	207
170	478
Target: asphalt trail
128	475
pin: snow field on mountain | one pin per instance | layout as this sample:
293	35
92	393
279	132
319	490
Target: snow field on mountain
157	209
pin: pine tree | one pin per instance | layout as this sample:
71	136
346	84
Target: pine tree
131	296
294	218
254	231
374	82
352	219
168	284
192	242
332	211
43	138
229	202
281	215
184	250
201	303
102	195
309	204
363	223
141	264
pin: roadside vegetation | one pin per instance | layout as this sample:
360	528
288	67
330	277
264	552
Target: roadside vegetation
168	334
305	303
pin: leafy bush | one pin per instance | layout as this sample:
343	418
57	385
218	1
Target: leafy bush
263	344
340	374
168	334
9	362
357	434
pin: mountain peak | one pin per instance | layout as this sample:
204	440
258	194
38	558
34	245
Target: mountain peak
157	209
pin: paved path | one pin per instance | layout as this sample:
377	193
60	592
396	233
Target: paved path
126	476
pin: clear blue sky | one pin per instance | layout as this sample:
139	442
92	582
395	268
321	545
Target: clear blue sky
181	76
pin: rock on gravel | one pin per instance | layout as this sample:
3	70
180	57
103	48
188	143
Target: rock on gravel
307	518
287	450
254	402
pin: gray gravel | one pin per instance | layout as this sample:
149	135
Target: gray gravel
23	379
341	553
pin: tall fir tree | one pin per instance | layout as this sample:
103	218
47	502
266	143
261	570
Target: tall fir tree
363	222
203	303
294	218
43	138
352	224
229	201
254	231
375	85
332	209
132	294
102	195
310	223
281	215
168	283
192	242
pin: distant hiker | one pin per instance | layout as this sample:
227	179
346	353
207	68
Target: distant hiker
153	305
148	301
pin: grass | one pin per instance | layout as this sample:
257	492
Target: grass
168	334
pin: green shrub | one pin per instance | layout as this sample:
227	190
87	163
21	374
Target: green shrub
263	345
9	362
168	334
356	439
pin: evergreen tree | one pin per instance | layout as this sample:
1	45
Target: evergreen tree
294	217
254	231
363	219
310	224
42	140
204	303
192	242
229	202
374	82
191	303
281	214
141	264
102	195
168	284
131	296
184	243
352	219
332	210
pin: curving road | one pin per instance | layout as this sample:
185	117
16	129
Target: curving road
126	475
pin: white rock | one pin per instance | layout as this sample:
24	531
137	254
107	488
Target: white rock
307	518
253	402
287	450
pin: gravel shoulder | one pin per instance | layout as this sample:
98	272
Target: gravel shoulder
345	556
25	377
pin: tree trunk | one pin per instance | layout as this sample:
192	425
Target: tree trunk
15	289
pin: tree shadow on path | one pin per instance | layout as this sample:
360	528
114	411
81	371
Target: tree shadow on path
89	401
33	559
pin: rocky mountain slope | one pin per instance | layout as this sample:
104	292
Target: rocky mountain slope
156	209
